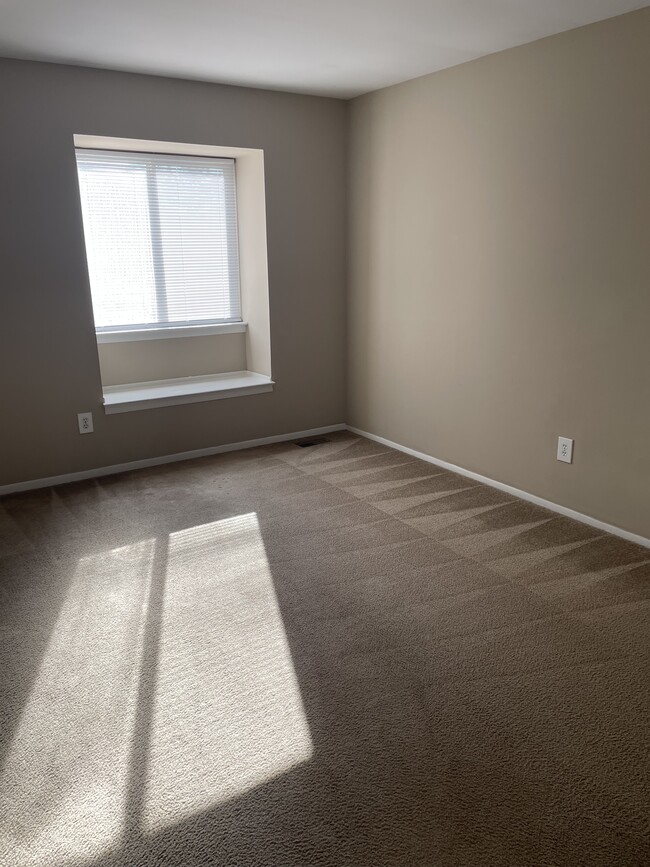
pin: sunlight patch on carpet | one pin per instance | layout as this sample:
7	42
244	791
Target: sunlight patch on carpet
65	778
227	714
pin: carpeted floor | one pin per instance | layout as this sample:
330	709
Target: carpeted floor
336	655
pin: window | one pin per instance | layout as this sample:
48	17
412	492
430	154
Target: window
175	238
161	239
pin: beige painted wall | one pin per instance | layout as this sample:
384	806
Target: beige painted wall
500	267
144	360
49	366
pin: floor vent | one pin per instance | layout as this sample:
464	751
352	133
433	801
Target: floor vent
312	441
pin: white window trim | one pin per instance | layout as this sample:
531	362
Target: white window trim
187	389
167	331
157	147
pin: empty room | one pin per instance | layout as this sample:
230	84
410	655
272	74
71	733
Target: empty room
325	433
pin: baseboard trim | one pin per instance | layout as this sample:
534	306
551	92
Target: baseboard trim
509	489
51	481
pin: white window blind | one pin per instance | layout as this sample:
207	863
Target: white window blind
161	238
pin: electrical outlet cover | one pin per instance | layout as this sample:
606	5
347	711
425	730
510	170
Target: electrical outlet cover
565	450
85	422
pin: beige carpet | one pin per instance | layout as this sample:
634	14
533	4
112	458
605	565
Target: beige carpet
328	656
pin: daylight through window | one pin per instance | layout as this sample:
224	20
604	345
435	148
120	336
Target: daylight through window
161	239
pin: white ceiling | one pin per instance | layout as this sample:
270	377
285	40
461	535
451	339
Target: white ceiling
327	47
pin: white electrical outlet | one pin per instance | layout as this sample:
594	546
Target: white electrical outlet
85	422
565	450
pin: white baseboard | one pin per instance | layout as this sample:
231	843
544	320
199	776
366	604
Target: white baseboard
49	482
508	489
33	484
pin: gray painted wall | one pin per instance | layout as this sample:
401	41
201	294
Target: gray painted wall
48	354
146	360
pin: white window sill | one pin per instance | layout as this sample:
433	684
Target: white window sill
188	389
164	333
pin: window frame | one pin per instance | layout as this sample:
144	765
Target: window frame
251	233
176	328
167	333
